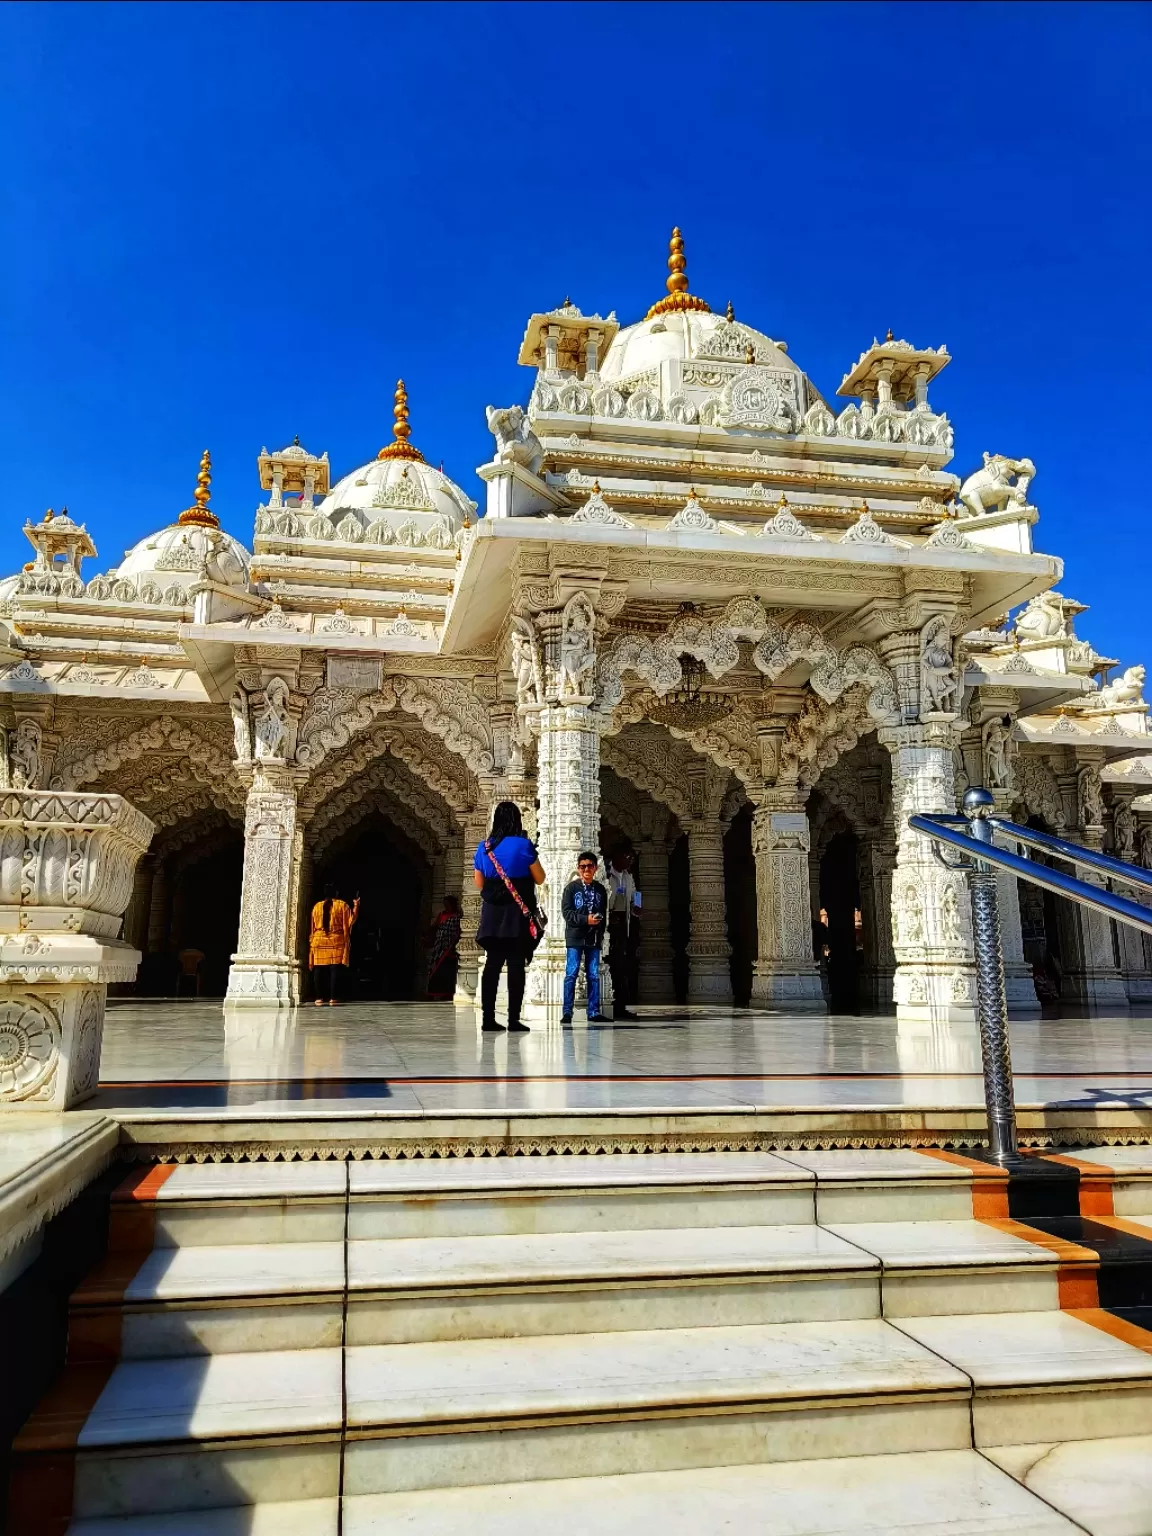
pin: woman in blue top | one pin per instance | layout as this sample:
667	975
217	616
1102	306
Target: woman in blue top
503	932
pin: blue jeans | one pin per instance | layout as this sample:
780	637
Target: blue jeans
591	958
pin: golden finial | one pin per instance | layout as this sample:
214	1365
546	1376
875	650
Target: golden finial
749	353
729	313
595	487
49	515
889	336
400	447
679	299
783	502
199	515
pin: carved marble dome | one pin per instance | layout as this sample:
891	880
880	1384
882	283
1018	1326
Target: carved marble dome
398	491
186	553
685	336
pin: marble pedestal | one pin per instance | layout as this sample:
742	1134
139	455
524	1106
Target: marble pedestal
65	880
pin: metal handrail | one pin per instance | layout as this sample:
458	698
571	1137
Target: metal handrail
972	835
1054	880
1074	853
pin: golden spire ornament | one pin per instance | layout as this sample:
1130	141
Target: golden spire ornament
679	299
199	515
400	447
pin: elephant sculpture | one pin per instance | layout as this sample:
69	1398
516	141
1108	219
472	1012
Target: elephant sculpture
991	490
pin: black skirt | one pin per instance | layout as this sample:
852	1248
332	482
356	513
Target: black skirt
500	917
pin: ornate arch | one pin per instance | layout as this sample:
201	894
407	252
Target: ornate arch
445	707
728	742
355	811
454	789
821	733
165	734
647	763
1037	789
421	807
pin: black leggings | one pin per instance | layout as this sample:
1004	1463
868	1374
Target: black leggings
501	953
328	981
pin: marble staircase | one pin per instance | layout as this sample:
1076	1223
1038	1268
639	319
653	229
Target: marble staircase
797	1342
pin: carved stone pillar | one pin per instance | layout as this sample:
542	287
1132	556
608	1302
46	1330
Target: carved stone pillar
1094	980
64	882
709	976
305	902
265	968
158	908
785	973
1019	988
877	862
656	952
568	820
931	914
477	824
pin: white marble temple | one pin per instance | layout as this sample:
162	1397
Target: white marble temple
929	1493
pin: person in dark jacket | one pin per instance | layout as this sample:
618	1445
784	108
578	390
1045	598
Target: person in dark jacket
505	914
585	908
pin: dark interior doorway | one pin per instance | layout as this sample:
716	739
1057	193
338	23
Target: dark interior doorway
377	862
193	921
740	903
843	932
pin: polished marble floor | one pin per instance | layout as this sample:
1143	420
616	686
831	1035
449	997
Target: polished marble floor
429	1057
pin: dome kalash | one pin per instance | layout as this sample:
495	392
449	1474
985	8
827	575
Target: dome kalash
395	499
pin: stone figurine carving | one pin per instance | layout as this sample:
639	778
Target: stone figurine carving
272	722
991	490
939	683
950	924
577	648
516	443
241	726
26	761
526	665
1146	845
1127	689
998	747
1090	796
1124	831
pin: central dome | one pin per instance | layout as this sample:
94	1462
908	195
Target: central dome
685	335
402	488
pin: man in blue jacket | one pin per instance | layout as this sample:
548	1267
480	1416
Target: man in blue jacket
585	908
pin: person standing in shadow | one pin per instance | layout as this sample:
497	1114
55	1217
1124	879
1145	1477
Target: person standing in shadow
330	944
621	916
506	871
585	908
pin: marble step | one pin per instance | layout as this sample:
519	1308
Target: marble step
925	1493
1078	1374
410	1290
301	1517
482	1411
210	1204
151	1437
204	1300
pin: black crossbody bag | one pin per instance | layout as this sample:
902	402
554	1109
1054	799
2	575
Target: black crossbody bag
537	920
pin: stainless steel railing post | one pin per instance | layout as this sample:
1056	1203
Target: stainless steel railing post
991	1001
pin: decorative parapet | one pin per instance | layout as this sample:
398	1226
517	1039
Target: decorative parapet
66	866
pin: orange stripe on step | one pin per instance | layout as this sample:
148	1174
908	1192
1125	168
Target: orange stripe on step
1126	1224
43	1467
958	1160
1118	1327
1060	1248
143	1183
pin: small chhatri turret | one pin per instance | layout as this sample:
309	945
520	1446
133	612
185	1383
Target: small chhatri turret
400	447
199	515
679	299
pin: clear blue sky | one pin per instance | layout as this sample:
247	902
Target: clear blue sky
224	224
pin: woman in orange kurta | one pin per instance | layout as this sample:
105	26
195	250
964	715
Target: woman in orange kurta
330	944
